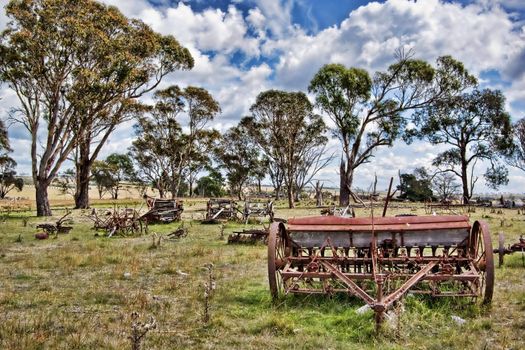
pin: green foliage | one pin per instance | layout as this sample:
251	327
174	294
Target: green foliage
286	130
66	182
8	179
101	174
239	156
121	166
76	67
165	155
476	127
210	185
337	88
415	187
516	155
369	113
87	61
110	173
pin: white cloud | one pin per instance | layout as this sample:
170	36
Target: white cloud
3	16
210	30
482	35
256	19
278	14
129	8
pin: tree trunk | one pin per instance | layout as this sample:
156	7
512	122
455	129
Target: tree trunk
297	195
83	167
344	184
259	186
277	192
318	194
291	203
464	181
82	189
42	200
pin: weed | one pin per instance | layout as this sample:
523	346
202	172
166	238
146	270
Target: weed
71	292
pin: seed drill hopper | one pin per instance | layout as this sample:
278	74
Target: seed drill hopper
380	260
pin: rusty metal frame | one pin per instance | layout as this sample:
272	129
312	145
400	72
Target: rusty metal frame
465	261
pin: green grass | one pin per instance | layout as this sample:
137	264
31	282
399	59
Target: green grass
78	291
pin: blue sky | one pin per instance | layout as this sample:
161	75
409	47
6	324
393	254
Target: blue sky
244	47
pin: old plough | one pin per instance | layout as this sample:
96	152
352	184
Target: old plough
380	260
249	236
124	222
163	210
254	208
220	209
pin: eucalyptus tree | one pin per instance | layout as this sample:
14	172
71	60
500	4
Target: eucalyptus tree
445	186
164	153
120	168
8	179
286	130
516	157
369	112
239	157
76	67
475	126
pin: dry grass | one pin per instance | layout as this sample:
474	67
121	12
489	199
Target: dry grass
78	291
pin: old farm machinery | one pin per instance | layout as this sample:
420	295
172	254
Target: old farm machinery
380	260
257	208
163	210
220	209
515	247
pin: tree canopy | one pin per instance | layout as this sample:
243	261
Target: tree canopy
75	66
369	112
164	153
516	156
239	157
475	127
415	186
286	129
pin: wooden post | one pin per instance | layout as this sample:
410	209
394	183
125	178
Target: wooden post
388	196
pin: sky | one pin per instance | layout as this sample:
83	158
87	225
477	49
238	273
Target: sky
242	48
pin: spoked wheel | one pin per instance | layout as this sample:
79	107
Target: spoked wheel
276	258
481	252
501	249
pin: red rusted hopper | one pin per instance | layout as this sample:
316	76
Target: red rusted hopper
435	255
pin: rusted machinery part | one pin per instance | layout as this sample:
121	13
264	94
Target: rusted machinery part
481	246
501	249
276	257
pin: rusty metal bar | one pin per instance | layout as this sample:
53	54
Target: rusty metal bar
349	259
354	288
392	297
361	276
338	220
392	227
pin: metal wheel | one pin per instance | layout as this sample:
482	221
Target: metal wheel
276	258
501	249
483	258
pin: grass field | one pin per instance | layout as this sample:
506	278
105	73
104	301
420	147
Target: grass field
78	291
